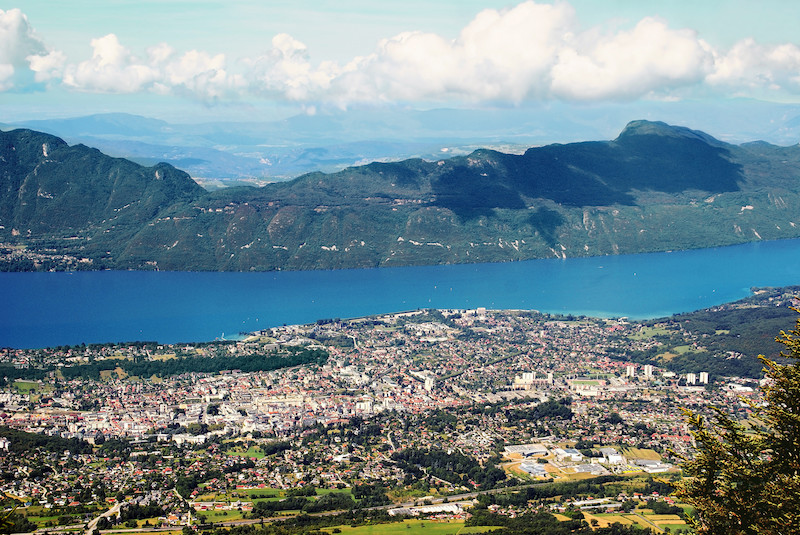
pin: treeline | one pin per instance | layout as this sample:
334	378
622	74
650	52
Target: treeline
335	501
288	357
9	372
551	409
603	486
371	495
272	448
439	421
565	491
16	523
453	467
22	443
307	524
298	499
139	512
546	524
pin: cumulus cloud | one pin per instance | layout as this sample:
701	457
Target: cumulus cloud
749	65
111	69
199	73
650	58
500	55
530	51
115	69
527	52
287	71
47	67
6	74
24	58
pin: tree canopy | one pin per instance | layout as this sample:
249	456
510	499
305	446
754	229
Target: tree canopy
745	478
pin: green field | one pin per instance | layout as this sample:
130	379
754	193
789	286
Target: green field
649	332
253	452
26	387
221	516
346	490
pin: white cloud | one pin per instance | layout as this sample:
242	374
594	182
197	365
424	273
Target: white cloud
531	51
47	67
751	66
527	52
24	58
200	74
511	53
650	58
500	55
114	69
285	70
6	74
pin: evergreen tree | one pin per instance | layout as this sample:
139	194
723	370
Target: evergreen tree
746	479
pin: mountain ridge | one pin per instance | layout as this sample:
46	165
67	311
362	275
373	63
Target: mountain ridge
654	187
272	148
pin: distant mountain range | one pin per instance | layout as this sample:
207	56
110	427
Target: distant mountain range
260	151
655	187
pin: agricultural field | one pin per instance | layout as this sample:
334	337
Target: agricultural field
640	519
641	453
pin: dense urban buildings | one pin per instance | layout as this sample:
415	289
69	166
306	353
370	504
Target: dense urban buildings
511	397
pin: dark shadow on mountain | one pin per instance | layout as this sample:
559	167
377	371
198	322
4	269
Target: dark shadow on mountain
546	223
672	164
578	174
470	193
667	160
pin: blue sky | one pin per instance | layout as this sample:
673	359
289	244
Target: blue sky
249	59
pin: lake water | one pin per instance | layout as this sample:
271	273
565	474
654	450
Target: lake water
46	309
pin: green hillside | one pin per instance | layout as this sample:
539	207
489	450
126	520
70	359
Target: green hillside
654	188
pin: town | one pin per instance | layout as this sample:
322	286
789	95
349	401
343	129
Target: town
420	412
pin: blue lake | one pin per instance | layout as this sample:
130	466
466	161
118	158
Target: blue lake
46	309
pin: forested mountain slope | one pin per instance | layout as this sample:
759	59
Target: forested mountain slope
655	187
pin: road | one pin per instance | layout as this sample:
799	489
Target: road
93	524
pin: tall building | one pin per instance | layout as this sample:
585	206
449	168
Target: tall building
630	370
430	382
648	370
528	377
691	379
525	380
704	378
